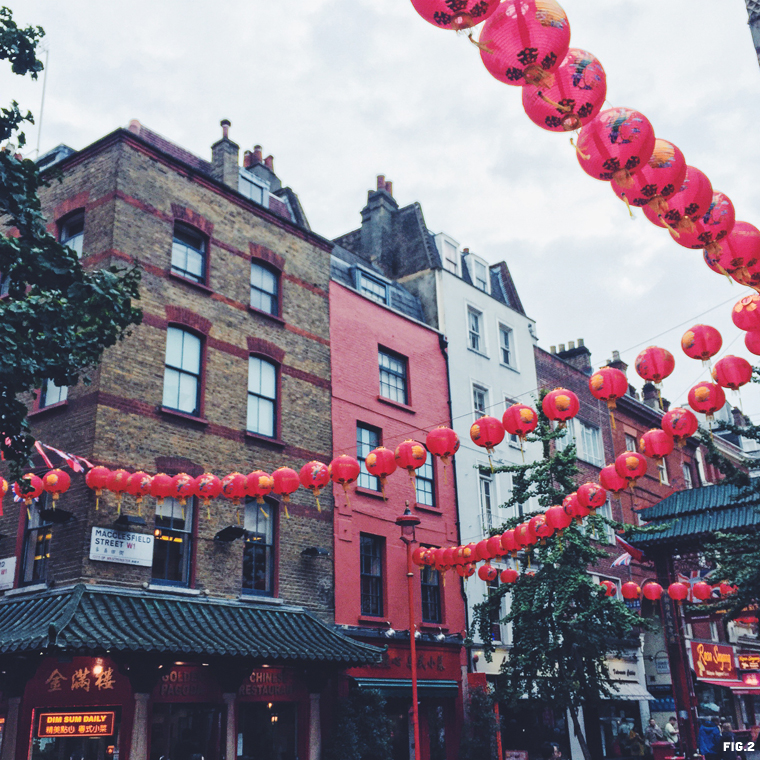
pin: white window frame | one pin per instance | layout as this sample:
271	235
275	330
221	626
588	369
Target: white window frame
504	328
688	478
662	469
363	276
52	394
608	535
486	510
512	440
487	393
572	436
618	583
483	347
628	440
249	177
478	262
442	241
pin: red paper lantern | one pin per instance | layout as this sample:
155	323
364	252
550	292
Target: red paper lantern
449	555
519	420
737	254
183	486
160	487
428	558
610	589
465	554
573	508
630	590
481	550
701	342
615	144
466	570
509	575
455	14
608	384
233	487
344	470
117	483
558	518
701	591
487	433
259	484
35	484
678	591
726	589
314	476
752	342
97	478
630	466
732	372
591	496
655	364
508	541
716	223
440	560
656	444
573	99
686	206
707	398
560	405
494	547
442	442
418	555
488	573
56	482
680	424
411	455
522	538
207	486
746	313
285	482
611	481
657	180
652	591
381	463
138	486
524	40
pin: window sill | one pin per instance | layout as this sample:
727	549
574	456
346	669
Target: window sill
426	508
372	619
183	416
396	404
478	353
274	317
369	492
510	367
428	626
275	443
252	596
187	281
37	412
170	589
31	589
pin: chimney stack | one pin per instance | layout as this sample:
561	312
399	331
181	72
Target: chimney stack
269	163
224	157
552	349
389	188
571	345
649	396
617	362
579	356
381	182
377	243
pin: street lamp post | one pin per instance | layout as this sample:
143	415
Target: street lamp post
408	523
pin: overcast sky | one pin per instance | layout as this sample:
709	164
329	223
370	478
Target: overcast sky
342	90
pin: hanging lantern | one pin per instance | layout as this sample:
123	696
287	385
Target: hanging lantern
630	590
573	508
96	478
560	405
746	314
678	591
701	591
591	496
488	573
442	442
410	456
615	144
466	570
524	40
656	444
481	551
610	589
657	180
138	486
117	483
314	476
487	433
716	223
707	398
541	528
680	423
449	556
183	486
494	547
726	589
56	482
440	561
558	518
344	470
428	558
465	554
509	542
519	420
259	484
686	206
381	463
611	481
36	485
701	342
652	591
3	491
233	487
418	555
608	384
285	482
455	14
737	254
207	486
752	342
573	99
525	534
732	372
161	487
655	364
509	576
631	466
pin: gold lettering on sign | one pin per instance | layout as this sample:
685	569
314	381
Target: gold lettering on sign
712	659
54	680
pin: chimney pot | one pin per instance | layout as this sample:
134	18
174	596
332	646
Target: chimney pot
247	158
269	163
256	154
571	345
552	349
225	124
616	356
134	126
389	187
561	347
381	182
581	343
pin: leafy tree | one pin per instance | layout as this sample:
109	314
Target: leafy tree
362	729
57	319
563	624
479	734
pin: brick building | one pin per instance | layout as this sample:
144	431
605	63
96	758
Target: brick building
181	630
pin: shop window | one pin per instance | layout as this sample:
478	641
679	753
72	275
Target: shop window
173	543
430	580
425	483
183	732
182	372
265	288
50	394
189	253
367	438
262	397
259	549
393	380
371	572
266	730
35	552
48	743
72	232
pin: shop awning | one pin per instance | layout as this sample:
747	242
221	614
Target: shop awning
402	687
737	686
87	617
634	692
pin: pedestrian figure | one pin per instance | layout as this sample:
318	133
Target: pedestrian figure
671	730
709	739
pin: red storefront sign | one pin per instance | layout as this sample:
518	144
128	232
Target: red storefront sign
749	660
713	661
397	663
187	683
75	723
272	684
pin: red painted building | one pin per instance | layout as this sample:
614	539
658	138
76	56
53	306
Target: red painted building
389	384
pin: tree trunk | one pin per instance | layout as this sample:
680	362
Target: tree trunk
579	733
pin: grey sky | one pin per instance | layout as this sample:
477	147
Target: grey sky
341	90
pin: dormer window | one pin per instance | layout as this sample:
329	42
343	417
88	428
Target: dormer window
449	252
480	275
373	287
254	187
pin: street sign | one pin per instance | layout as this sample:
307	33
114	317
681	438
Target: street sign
111	545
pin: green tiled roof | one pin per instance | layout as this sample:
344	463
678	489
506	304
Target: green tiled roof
696	512
90	617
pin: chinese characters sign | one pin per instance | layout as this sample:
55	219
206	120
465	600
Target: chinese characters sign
76	724
109	545
99	678
713	661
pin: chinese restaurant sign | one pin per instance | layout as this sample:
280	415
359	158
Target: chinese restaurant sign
110	545
749	661
268	682
100	723
713	661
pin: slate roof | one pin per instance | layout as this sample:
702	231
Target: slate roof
122	620
691	514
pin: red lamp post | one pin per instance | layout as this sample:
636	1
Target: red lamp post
408	523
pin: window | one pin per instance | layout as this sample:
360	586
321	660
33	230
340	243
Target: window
687	481
52	394
479	400
424	483
264	289
604	534
630	442
258	550
189	253
475	321
430	581
480	275
587	440
371	571
182	374
373	288
393	377
662	468
72	233
254	187
514	440
36	547
367	438
451	256
495	612
486	501
262	396
505	346
172	548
